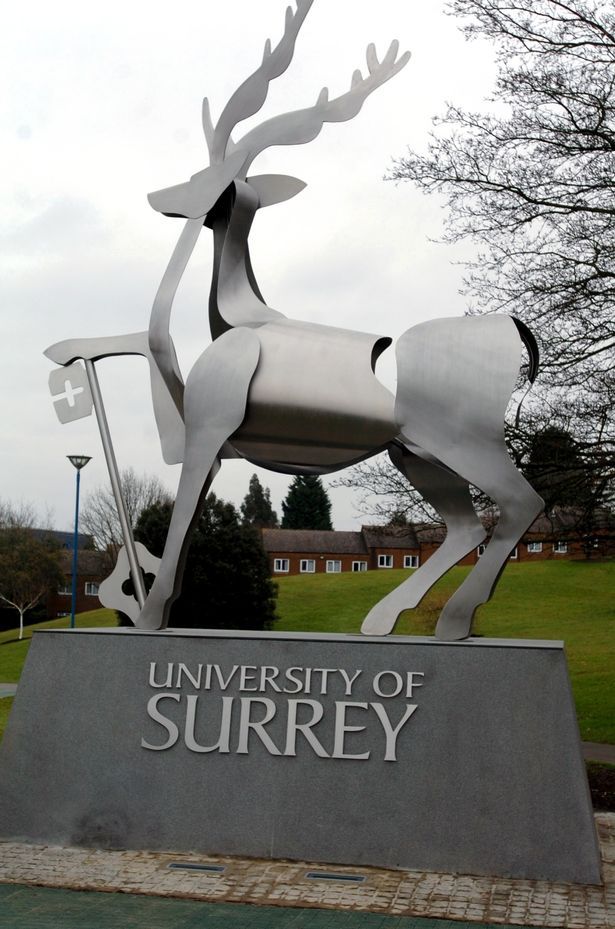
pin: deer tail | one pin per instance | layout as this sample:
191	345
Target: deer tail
529	340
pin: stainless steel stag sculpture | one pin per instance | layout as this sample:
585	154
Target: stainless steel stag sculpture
302	398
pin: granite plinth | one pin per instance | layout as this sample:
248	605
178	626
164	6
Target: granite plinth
436	756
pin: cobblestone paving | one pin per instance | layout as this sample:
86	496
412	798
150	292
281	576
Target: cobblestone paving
44	908
284	884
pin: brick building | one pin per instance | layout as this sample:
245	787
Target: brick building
92	568
305	551
559	535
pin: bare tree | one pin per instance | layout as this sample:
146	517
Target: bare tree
532	182
571	471
99	513
29	560
17	515
384	494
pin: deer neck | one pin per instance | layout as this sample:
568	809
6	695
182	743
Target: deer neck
235	298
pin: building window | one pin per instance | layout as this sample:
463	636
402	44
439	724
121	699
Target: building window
307	566
334	567
280	565
64	591
514	554
534	548
359	566
385	561
91	589
560	548
481	549
411	561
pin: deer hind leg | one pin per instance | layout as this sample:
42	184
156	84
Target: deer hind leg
456	377
519	505
449	494
214	407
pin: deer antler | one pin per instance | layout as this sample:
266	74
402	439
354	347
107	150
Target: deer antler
304	125
251	95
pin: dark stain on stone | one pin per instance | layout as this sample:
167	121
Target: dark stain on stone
102	829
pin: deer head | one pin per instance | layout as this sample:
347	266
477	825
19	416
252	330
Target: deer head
230	161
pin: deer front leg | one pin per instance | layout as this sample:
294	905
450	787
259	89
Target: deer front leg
215	401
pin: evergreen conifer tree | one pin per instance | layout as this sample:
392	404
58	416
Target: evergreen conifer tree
307	504
256	509
226	583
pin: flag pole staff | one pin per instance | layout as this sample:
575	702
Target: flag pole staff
114	476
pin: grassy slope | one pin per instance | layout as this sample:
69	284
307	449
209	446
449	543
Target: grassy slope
5	708
568	600
13	652
573	601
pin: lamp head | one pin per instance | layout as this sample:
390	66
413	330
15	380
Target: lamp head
79	461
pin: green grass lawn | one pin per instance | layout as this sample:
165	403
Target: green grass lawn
573	601
569	600
13	652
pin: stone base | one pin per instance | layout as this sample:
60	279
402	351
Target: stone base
459	757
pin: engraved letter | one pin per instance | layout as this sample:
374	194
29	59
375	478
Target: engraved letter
224	683
293	680
222	745
410	675
245	724
156	715
391	734
324	679
349	680
341	729
195	681
152	675
247	673
399	684
268	676
293	727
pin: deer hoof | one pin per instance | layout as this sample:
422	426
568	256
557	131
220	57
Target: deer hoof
378	622
451	626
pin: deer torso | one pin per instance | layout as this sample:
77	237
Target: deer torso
308	404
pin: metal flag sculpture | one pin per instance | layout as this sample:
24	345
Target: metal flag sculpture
302	398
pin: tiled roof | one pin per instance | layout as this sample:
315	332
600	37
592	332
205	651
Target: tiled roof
563	521
89	562
389	537
430	533
339	543
313	540
64	539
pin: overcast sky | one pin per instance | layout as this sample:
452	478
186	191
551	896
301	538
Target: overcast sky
102	105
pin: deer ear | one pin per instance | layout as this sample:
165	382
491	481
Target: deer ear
275	188
196	197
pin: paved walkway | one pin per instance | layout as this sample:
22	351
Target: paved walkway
41	908
598	751
8	690
378	893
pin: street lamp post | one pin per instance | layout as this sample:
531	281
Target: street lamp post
79	462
